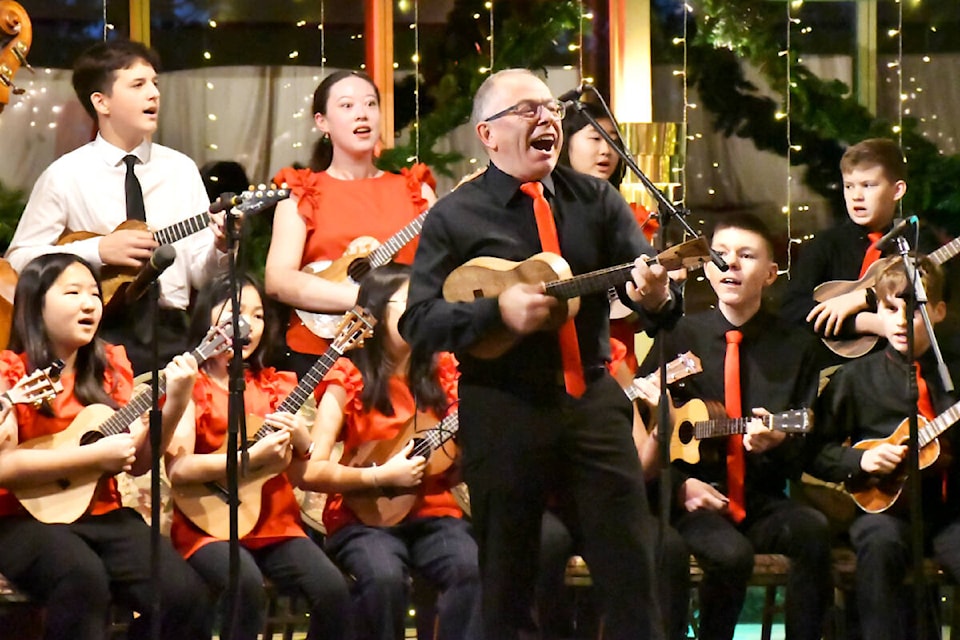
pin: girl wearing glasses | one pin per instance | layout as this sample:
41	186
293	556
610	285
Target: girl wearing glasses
377	395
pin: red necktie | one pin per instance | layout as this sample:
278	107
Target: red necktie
736	468
569	346
872	255
925	408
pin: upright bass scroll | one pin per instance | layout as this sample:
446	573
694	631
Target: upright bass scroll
16	36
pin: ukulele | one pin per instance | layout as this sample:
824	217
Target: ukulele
115	278
684	365
862	344
16	36
386	511
353	266
35	388
699	420
207	504
67	498
876	493
487	277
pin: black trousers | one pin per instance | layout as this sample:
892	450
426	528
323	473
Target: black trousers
520	445
725	553
559	541
297	566
884	601
77	570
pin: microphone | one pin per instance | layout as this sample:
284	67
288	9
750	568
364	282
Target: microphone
896	231
161	259
225	202
571	96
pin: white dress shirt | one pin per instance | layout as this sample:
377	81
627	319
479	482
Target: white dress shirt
84	191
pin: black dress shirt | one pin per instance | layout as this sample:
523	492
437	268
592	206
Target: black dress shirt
868	398
779	369
490	216
833	254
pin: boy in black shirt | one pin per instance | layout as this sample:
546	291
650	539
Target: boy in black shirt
868	399
778	371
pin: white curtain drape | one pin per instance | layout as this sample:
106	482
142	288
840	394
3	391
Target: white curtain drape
262	118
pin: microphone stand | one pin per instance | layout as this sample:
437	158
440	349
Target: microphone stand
155	434
667	212
236	420
917	300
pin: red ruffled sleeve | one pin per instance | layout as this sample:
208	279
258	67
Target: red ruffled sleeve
118	378
346	375
647	220
448	374
277	384
416	176
305	185
12	368
618	354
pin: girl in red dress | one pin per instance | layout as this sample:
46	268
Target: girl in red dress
277	546
373	395
78	569
342	202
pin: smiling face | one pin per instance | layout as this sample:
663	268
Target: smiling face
130	109
72	308
352	118
526	149
751	268
590	154
871	196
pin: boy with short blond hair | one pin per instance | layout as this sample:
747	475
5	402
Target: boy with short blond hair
874	181
868	399
778	370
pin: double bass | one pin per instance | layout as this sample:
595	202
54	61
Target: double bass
16	36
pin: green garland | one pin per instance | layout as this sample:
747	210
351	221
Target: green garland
824	117
526	34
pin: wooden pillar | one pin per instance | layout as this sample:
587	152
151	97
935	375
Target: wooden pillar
866	60
140	21
379	47
631	75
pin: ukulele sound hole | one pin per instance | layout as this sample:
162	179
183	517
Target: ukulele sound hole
419	448
685	431
359	269
90	437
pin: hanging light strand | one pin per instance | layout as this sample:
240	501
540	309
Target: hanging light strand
490	5
900	97
416	77
106	27
685	134
788	209
580	45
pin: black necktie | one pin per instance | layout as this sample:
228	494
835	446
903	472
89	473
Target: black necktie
131	186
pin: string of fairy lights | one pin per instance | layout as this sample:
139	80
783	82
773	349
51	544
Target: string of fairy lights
905	82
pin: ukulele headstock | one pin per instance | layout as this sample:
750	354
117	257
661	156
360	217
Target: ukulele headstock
685	364
262	197
356	326
219	339
38	387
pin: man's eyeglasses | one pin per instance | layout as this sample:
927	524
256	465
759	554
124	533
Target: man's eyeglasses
531	110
